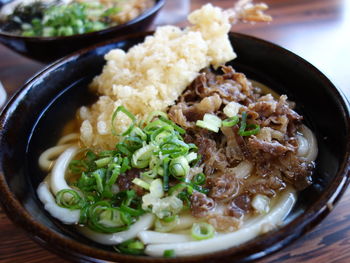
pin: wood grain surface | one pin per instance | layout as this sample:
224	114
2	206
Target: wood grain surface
317	30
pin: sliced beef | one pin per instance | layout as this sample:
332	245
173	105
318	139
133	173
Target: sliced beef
201	205
224	186
124	181
274	148
239	206
271	152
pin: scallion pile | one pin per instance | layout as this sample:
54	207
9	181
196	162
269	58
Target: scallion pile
213	123
162	159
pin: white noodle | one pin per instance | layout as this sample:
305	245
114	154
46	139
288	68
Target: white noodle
224	241
153	237
185	222
58	181
48	157
303	146
307	144
69	138
65	215
145	222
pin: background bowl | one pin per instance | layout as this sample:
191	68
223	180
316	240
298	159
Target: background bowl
47	49
35	116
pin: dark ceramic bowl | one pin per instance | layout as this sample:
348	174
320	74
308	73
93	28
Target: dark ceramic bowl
34	118
47	49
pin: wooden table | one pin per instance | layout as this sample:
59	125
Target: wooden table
317	30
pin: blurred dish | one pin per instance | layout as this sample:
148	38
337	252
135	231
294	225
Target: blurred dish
49	48
67	17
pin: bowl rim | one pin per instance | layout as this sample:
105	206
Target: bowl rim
277	239
147	13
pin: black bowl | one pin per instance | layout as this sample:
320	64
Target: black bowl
35	116
48	49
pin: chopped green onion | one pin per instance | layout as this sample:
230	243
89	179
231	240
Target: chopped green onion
136	245
148	174
185	198
141	158
127	216
207	126
243	123
154	114
191	186
169	253
213	119
86	182
137	131
115	171
177	128
141	183
125	165
192	146
103	161
99	175
90	156
254	130
189	189
156	188
229	122
179	167
175	190
179	189
111	217
123	148
154	125
169	219
102	217
133	143
161	225
160	150
133	247
131	211
68	198
77	166
166	173
130	195
191	157
162	133
107	153
84	214
199	179
202	231
127	113
210	122
174	147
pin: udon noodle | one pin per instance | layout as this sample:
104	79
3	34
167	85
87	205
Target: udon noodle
214	169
